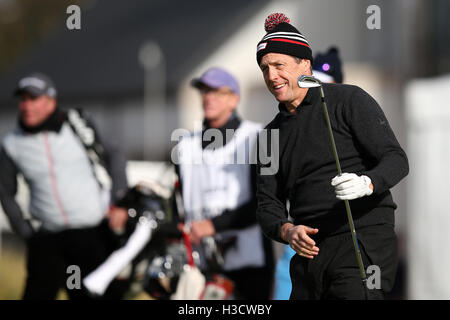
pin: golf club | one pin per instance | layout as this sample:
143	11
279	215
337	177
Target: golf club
311	82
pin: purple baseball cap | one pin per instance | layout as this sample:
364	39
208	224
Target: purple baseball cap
217	78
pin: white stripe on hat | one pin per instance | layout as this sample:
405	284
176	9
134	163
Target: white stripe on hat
289	35
286	33
32	82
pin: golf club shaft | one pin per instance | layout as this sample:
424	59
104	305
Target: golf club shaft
347	204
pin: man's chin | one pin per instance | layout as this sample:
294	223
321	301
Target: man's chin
280	99
209	118
278	96
31	123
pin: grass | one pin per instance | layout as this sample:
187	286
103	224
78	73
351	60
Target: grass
13	271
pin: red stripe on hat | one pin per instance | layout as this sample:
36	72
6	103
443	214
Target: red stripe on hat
290	41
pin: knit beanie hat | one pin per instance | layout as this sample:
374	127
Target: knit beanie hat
330	64
282	37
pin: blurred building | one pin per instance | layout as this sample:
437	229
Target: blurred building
428	221
126	63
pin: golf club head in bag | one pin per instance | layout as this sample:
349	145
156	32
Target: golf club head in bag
145	204
164	271
162	280
146	210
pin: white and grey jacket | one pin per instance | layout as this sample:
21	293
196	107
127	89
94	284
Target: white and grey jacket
215	186
64	190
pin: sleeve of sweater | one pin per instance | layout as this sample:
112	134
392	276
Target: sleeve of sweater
115	163
271	210
373	133
8	189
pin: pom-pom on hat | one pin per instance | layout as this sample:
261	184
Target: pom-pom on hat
282	37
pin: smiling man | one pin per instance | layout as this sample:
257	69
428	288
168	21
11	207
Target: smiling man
325	266
280	74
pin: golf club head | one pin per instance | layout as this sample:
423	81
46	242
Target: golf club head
308	82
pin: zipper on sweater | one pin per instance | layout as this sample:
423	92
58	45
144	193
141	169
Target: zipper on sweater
53	179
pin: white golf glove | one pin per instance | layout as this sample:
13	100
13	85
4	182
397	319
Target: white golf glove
349	186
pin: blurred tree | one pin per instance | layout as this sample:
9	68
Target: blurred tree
23	23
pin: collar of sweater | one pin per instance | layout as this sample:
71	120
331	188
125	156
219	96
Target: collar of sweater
311	97
232	123
54	122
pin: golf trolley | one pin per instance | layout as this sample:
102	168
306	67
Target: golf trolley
158	258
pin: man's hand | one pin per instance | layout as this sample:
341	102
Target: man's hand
349	186
117	219
200	229
299	240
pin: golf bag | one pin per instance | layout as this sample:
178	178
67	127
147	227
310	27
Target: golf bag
147	207
154	256
182	271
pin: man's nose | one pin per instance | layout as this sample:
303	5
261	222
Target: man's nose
272	74
25	103
209	96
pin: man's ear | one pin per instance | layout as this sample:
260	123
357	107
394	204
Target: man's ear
52	103
308	67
